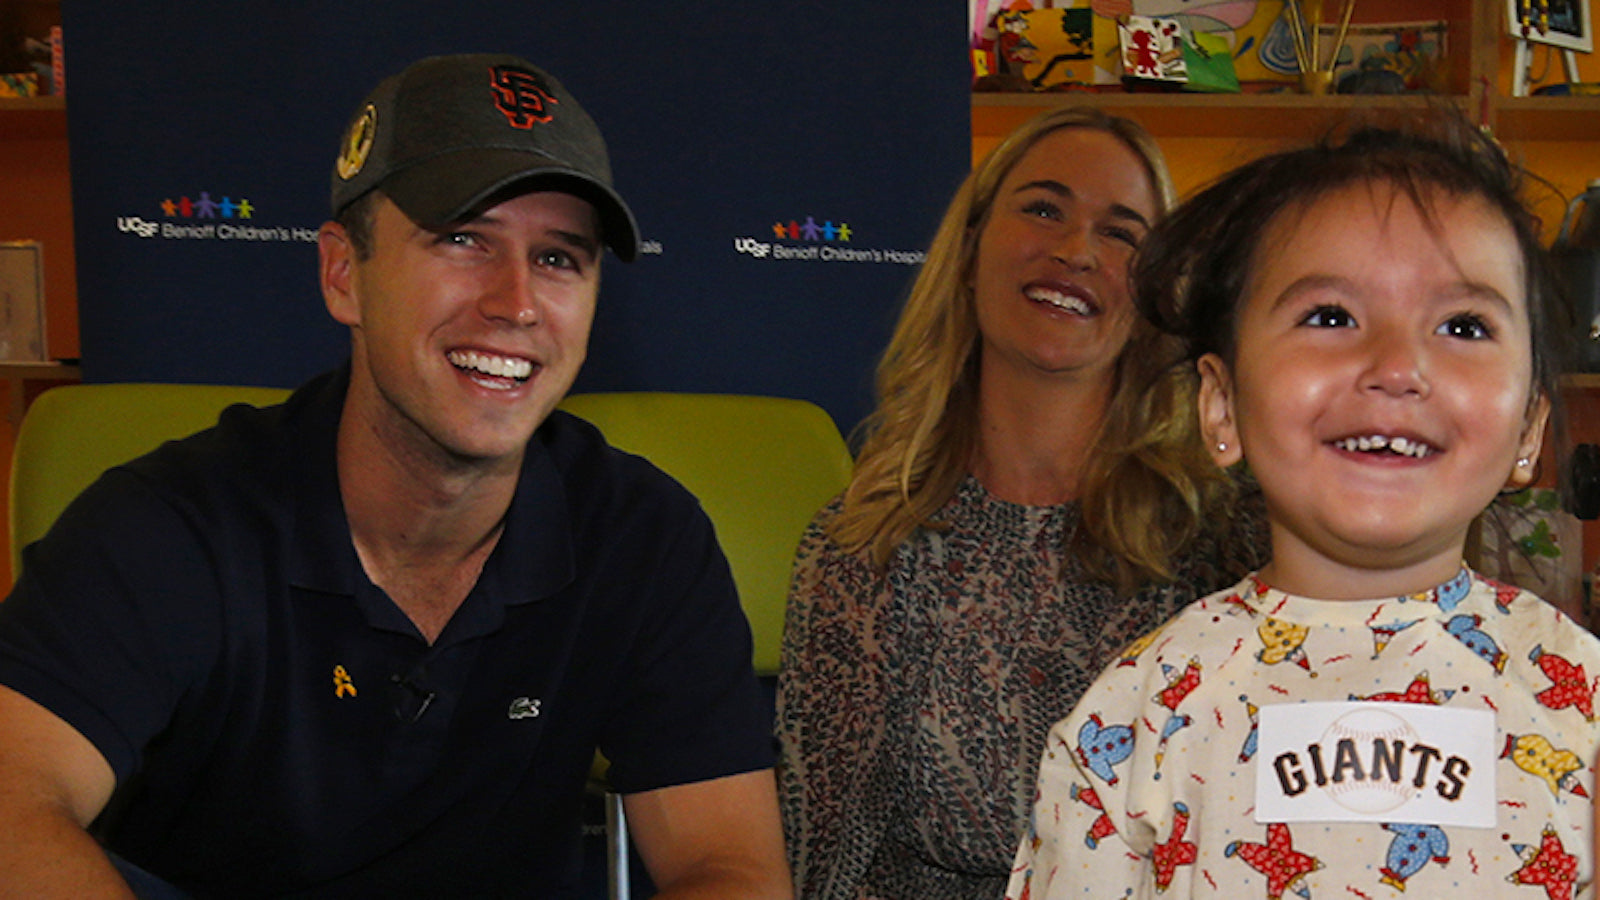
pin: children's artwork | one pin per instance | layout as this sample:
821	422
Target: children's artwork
1257	38
1414	51
1082	42
1559	23
1152	49
1013	49
1038	49
19	84
1209	62
1063	47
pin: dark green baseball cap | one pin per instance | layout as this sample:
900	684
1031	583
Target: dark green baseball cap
451	132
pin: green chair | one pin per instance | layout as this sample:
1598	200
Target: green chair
761	467
73	433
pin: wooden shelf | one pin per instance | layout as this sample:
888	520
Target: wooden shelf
33	118
1547	118
24	380
1286	114
53	370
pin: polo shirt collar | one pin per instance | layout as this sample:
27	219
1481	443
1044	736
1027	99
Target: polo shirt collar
533	560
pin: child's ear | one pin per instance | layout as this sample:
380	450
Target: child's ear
1532	442
1217	424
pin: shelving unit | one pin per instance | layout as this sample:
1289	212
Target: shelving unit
1477	66
35	181
1271	116
33	118
36	187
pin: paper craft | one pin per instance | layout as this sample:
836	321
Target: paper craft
1209	64
1152	49
1063	47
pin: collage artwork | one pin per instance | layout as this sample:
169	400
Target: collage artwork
1223	45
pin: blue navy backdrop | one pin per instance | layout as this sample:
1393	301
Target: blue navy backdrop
787	162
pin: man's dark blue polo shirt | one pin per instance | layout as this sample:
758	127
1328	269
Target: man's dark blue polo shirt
277	725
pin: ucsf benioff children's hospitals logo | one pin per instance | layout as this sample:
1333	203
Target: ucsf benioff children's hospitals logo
1375	762
808	240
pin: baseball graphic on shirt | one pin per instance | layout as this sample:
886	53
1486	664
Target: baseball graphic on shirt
1358	781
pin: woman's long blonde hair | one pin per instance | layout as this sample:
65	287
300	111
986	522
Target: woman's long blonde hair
1147	480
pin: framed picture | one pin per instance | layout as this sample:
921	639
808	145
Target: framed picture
21	302
1559	23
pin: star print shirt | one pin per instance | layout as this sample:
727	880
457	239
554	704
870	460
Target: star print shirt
1149	787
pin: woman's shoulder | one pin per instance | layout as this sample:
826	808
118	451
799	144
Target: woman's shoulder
821	559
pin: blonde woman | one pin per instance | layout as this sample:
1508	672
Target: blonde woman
1029	498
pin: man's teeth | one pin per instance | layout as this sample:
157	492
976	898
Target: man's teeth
1060	301
1376	442
497	366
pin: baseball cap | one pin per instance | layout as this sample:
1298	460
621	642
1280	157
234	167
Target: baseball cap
450	132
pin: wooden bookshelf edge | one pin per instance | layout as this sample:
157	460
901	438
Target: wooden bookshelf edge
40	371
25	379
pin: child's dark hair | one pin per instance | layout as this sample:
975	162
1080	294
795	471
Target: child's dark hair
1191	271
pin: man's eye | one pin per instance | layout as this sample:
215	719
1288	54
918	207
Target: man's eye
1329	317
1467	326
557	259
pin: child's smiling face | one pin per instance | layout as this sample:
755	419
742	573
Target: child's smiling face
1382	392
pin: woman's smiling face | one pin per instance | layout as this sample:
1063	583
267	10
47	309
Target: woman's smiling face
1050	279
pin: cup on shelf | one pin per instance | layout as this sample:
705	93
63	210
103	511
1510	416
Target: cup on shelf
1317	83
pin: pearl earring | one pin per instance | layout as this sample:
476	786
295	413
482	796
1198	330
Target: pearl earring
1222	446
1522	463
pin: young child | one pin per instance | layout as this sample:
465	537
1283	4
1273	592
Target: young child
1378	338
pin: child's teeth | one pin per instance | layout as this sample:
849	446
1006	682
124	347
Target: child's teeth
1398	445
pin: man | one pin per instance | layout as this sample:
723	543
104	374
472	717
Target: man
366	643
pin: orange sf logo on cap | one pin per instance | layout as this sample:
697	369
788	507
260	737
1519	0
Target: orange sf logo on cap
521	95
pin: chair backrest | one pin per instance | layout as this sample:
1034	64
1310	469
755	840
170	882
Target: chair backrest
761	467
73	433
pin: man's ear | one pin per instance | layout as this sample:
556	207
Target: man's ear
1217	424
336	261
1531	444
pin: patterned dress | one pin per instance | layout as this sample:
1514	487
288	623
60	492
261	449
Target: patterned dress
1154	785
913	705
